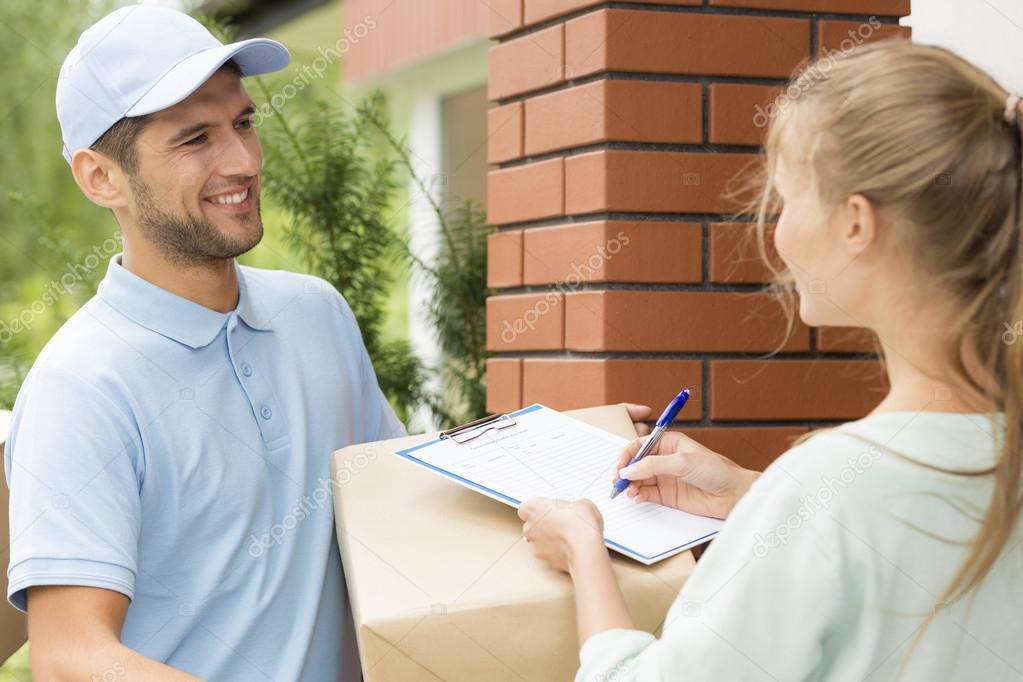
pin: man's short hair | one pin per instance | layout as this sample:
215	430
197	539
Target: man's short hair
119	142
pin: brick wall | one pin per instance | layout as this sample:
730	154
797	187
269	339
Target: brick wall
619	273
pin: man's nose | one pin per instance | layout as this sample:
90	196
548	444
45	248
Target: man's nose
240	158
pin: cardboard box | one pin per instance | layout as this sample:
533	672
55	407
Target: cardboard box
441	585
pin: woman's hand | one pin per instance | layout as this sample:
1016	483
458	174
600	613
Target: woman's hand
570	537
562	532
683	474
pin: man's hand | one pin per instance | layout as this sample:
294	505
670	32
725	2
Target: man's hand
683	474
75	634
637	413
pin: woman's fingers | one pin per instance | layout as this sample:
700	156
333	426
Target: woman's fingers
529	509
668	444
648	467
648	493
629	452
636	486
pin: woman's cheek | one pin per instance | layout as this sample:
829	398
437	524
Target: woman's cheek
784	240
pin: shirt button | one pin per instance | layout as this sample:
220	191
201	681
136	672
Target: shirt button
246	369
266	412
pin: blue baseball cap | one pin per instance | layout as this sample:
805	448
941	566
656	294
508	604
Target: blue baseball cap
141	59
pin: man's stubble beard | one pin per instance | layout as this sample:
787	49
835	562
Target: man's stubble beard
188	239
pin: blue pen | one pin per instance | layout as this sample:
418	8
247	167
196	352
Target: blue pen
667	417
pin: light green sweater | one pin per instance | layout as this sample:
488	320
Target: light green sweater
829	565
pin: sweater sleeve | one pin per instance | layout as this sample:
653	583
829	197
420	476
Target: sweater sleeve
759	605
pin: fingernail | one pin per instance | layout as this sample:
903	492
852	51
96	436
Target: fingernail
626	472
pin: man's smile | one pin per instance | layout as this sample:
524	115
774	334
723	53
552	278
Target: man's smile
235	200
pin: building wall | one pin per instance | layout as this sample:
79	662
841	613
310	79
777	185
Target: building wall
430	59
385	35
988	33
464	140
619	273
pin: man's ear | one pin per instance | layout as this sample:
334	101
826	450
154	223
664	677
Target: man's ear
100	178
861	222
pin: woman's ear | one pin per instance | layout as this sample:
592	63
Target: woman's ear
861	222
100	178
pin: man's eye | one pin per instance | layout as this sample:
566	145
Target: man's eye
197	140
245	124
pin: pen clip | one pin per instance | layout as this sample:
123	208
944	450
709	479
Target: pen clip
474	429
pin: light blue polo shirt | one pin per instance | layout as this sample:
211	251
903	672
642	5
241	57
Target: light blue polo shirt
180	456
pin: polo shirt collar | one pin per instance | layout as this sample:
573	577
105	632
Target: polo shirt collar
251	307
171	315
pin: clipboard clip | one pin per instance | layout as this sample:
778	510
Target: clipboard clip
475	429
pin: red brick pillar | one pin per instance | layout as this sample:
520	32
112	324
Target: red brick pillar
618	275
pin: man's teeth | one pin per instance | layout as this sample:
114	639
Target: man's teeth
231	198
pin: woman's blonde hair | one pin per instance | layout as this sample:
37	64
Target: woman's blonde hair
935	144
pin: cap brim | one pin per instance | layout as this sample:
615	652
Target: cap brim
254	57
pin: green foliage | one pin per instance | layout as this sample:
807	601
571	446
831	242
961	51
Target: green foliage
49	228
335	174
17	667
337	193
67	275
331	173
457	280
457	313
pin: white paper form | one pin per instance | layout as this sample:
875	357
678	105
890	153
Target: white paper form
550	454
